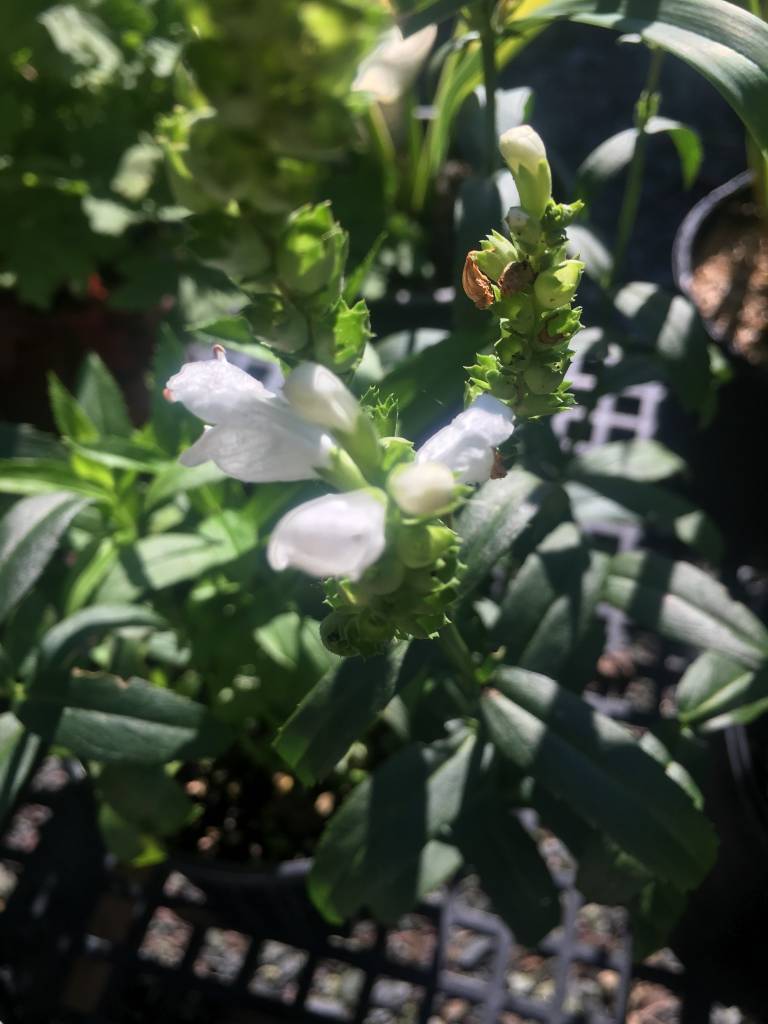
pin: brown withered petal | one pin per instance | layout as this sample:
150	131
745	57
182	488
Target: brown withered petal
516	277
498	470
475	284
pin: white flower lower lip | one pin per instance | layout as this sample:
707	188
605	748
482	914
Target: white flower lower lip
467	444
254	434
337	535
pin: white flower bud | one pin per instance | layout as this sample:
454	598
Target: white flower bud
423	488
317	394
337	535
526	157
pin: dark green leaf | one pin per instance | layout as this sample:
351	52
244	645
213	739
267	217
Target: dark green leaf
602	499
615	153
684	603
18	754
549	605
512	514
146	796
597	766
716	692
511	869
377	849
29	534
671	325
72	634
110	719
633	460
337	711
724	43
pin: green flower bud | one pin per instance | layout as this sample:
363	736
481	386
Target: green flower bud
420	545
276	322
350	632
496	252
383	577
397	451
312	253
542	379
556	287
526	157
517	313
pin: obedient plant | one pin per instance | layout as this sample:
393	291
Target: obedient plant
382	542
529	284
188	601
385	545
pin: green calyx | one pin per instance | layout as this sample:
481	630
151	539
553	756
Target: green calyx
407	593
533	303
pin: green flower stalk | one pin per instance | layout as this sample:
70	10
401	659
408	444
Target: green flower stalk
529	284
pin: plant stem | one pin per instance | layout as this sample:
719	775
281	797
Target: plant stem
488	44
458	653
645	109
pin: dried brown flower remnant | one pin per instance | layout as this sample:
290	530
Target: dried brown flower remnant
516	277
498	470
474	282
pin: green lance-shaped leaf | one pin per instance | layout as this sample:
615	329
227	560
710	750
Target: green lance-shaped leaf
685	604
672	326
109	719
639	460
337	710
146	796
42	476
599	769
101	399
727	45
383	849
512	514
716	692
19	750
29	534
510	867
67	637
549	605
614	154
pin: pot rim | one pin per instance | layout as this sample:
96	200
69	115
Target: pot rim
690	228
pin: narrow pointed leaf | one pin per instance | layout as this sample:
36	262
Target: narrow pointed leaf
377	849
337	711
109	719
29	534
512	514
599	769
685	604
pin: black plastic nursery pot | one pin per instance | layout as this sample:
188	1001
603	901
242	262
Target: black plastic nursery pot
190	940
720	262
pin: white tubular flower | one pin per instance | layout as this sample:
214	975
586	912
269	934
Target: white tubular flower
423	488
339	535
526	156
390	70
254	435
318	395
466	444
